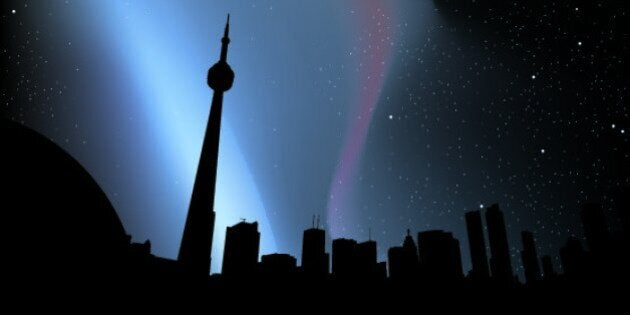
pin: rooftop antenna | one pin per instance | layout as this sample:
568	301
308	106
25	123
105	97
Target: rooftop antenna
317	221
408	232
313	221
242	219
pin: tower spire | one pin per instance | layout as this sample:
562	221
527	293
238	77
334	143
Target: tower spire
225	41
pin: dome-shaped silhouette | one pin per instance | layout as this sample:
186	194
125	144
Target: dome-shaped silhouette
57	222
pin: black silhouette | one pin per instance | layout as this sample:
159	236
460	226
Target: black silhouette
595	227
59	227
57	224
242	242
573	257
366	264
315	260
529	256
196	245
440	257
477	244
278	266
344	258
403	261
549	273
500	263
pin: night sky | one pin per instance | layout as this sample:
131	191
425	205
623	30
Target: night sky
376	115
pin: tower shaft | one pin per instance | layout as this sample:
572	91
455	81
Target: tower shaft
196	247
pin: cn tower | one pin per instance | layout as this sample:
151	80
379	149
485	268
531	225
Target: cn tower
196	247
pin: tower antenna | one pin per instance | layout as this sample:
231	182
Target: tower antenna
317	221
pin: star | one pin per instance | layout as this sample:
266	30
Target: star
542	151
13	11
613	126
579	43
390	116
623	131
533	76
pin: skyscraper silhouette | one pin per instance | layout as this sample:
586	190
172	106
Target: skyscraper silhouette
366	260
196	246
547	266
242	243
500	263
396	263
477	245
573	257
344	257
314	256
530	257
595	227
440	256
403	260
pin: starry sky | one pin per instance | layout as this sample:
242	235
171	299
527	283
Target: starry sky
376	115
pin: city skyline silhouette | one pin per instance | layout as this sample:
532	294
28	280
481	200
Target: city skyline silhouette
562	228
437	261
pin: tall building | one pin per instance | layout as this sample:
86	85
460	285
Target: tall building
366	260
240	256
500	262
477	244
395	262
381	271
410	248
315	260
196	246
439	255
344	258
403	260
547	266
595	227
530	257
572	257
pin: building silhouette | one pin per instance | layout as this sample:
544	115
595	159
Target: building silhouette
315	260
59	226
547	266
90	249
595	227
403	260
500	263
278	265
529	256
381	271
366	264
439	256
344	258
196	245
240	257
477	244
573	257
